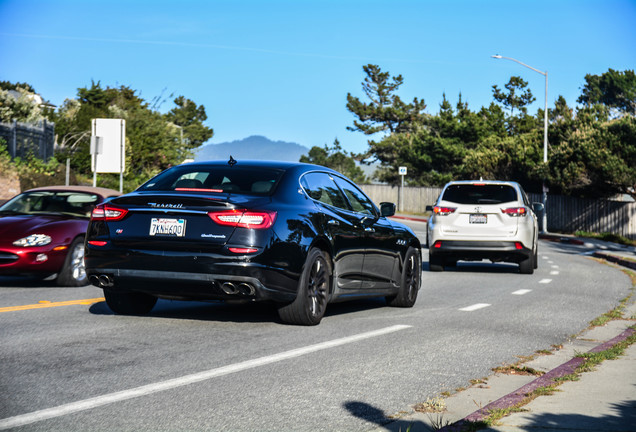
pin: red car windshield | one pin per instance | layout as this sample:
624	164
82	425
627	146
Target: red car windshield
51	202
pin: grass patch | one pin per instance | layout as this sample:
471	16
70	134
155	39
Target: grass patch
614	238
596	358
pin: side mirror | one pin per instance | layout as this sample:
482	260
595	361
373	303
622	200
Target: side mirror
387	209
429	208
537	207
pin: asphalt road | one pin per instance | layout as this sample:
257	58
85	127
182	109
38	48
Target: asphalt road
68	366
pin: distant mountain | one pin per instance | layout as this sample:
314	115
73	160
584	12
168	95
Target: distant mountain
255	147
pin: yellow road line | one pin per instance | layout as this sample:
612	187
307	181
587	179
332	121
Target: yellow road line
52	304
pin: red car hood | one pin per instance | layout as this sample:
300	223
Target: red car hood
18	226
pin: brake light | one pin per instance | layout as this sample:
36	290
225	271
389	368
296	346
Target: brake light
238	250
244	218
108	213
515	211
437	244
443	211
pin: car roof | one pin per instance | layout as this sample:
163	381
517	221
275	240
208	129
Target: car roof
253	163
494	182
104	192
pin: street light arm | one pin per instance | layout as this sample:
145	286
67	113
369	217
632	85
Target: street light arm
497	56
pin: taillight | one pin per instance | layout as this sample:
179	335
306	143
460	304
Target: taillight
515	211
108	213
244	218
443	211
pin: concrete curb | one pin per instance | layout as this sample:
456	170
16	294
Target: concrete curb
516	397
615	259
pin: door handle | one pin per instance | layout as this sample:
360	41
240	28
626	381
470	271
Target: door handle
333	222
369	229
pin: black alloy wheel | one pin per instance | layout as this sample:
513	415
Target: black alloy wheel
313	292
410	281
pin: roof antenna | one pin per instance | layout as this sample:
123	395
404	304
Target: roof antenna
232	161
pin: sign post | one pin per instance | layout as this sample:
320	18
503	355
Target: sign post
402	172
108	148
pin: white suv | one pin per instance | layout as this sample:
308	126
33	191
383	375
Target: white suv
475	220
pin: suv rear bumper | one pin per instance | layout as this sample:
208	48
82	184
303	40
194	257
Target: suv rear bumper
508	251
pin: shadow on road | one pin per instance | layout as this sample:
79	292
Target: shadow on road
238	313
364	411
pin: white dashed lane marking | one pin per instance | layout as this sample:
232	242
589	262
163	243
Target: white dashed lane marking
545	281
474	307
522	292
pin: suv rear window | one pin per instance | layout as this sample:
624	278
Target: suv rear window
479	194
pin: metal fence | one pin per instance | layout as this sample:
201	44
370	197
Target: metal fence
23	139
565	214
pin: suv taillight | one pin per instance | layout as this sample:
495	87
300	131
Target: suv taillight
443	211
515	211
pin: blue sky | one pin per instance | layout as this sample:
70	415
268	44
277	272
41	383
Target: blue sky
283	69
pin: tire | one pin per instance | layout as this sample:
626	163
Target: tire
73	272
409	282
527	265
312	296
536	256
435	263
129	303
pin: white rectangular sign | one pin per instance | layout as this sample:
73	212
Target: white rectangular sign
112	155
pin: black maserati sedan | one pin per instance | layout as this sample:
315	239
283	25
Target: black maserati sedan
297	235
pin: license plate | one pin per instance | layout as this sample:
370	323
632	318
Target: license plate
478	218
167	227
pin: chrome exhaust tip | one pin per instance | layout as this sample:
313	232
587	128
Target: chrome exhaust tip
229	288
246	289
105	281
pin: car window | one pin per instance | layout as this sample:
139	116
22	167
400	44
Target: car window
236	180
72	203
358	200
321	187
479	194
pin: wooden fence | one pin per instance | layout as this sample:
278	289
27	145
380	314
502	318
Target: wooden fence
565	214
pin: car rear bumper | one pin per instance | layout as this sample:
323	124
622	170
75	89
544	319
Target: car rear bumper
508	251
193	277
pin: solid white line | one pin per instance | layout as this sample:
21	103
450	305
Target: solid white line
474	307
545	281
522	291
24	419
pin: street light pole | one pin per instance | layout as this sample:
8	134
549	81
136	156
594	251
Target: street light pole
544	224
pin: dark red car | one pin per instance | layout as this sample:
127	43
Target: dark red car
42	232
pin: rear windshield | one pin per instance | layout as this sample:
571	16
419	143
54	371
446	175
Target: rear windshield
479	194
217	179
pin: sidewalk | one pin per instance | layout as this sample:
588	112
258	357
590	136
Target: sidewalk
601	400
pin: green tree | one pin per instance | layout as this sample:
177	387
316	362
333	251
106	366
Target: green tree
614	89
337	159
517	97
385	111
189	118
20	104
